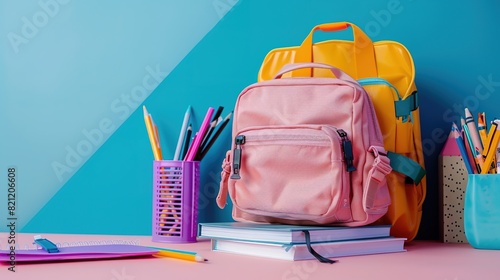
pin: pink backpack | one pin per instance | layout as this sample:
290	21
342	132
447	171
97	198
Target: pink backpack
306	151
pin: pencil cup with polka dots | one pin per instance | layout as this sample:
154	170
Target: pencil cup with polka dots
175	200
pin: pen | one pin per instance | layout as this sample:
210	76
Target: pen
182	133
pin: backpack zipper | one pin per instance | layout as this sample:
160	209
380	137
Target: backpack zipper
346	151
238	140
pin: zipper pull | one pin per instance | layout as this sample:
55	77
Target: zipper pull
239	140
347	150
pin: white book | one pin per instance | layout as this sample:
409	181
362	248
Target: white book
288	234
300	252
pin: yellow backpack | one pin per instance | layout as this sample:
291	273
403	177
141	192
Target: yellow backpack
385	69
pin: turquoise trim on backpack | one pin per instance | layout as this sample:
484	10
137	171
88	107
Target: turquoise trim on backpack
378	81
407	166
403	107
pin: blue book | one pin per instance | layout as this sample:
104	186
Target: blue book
288	234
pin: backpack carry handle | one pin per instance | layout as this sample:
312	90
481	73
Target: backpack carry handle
332	27
295	66
363	54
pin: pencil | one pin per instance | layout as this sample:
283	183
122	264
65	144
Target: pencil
493	144
199	136
215	120
489	138
157	137
461	147
488	146
182	133
216	135
477	158
481	128
187	140
178	254
151	134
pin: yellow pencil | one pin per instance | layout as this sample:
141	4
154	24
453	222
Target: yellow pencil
489	138
182	255
157	137
493	143
151	134
481	127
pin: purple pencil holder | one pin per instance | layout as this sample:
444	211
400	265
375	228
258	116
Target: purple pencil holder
175	200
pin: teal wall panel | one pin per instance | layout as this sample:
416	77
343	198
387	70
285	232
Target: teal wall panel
72	72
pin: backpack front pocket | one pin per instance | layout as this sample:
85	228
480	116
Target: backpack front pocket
292	172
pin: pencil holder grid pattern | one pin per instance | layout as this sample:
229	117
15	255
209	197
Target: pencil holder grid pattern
175	201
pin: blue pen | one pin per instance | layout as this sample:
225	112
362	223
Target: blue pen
461	146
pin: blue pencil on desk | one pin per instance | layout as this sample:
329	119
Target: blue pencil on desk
461	146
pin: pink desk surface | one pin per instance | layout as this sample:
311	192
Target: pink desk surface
423	260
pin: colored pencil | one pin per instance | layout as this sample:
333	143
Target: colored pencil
178	254
187	140
216	135
182	133
461	146
199	136
151	134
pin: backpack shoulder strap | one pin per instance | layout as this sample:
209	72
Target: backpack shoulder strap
226	171
376	176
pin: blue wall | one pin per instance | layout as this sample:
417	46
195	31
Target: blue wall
73	75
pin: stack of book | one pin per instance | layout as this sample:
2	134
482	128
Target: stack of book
288	242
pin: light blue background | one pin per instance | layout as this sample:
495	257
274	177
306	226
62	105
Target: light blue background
66	78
